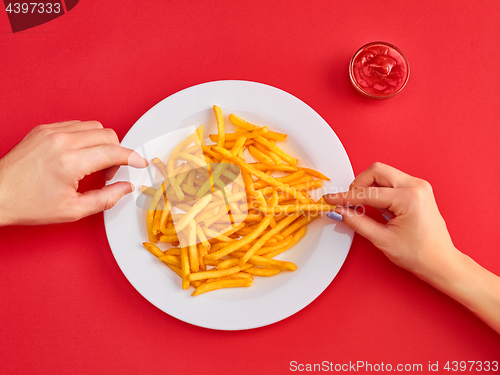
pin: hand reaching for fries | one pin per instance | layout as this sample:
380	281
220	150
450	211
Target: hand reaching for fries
416	238
39	177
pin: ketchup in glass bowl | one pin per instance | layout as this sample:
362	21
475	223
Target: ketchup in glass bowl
379	70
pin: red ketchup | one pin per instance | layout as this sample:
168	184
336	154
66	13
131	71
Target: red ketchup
379	70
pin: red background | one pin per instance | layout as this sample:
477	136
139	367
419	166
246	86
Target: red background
66	308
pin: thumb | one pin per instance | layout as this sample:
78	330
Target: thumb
362	224
95	201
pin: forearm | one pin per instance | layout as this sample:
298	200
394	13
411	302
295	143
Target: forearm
470	284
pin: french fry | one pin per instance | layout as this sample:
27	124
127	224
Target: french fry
239	275
151	211
315	173
240	243
220	126
200	205
260	156
265	272
185	267
192	248
170	259
278	151
236	283
214	273
153	249
148	190
277	167
295	238
261	241
244	124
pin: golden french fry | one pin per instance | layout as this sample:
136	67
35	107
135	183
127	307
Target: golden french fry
246	125
214	273
315	173
170	259
239	275
261	241
153	249
270	249
202	237
151	211
200	205
161	167
262	271
168	238
202	250
295	238
185	267
148	190
236	283
278	151
277	167
192	248
234	136
260	156
298	224
220	126
240	243
228	263
257	260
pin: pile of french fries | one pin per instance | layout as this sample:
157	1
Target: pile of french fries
226	218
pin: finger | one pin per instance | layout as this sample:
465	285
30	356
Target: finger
59	124
92	137
383	175
95	201
363	224
100	157
76	126
378	197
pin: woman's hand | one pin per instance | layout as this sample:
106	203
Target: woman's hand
416	237
39	177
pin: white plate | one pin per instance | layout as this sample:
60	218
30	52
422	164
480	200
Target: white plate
319	255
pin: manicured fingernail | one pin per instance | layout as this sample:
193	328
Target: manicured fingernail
386	217
137	161
334	216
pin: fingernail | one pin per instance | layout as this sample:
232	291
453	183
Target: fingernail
137	161
386	217
130	189
334	216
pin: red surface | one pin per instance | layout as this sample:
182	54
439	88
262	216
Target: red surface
66	308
